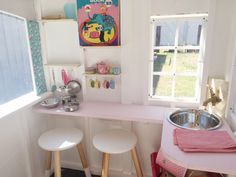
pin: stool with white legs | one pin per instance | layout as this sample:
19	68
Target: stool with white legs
60	139
116	142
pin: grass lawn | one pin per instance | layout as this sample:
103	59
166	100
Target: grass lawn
185	85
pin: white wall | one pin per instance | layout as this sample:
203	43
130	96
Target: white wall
24	8
231	51
19	153
13	149
170	7
222	36
231	71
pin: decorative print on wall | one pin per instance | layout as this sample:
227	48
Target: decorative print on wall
99	22
35	45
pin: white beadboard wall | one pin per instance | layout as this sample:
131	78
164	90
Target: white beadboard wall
24	8
19	153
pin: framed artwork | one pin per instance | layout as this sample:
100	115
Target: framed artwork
99	22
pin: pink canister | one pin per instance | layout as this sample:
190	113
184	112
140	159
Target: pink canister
102	68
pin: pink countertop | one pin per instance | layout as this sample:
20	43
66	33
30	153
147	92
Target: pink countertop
112	111
212	162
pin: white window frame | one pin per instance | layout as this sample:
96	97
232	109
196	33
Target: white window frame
201	48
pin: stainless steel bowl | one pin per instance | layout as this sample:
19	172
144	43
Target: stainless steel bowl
73	87
50	102
195	119
71	107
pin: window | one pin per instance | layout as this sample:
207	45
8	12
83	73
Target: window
15	61
177	57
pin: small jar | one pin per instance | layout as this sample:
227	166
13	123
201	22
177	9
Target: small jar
102	68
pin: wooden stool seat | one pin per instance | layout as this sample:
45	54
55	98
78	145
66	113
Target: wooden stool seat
60	139
116	142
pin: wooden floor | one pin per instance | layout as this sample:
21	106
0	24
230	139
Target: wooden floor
72	173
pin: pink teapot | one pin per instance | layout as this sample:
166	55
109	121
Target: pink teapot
102	68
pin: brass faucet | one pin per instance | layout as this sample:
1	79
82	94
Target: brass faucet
213	99
197	118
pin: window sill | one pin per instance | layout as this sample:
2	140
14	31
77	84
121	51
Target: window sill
173	103
20	103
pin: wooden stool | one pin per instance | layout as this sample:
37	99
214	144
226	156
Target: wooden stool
116	142
60	139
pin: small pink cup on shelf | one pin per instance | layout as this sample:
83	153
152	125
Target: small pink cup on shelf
102	68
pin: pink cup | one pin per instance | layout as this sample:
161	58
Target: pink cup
102	68
106	84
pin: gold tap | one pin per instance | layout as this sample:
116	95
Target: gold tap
197	118
213	99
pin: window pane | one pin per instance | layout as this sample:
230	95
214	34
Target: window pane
190	32
187	61
185	86
165	34
162	85
163	60
15	69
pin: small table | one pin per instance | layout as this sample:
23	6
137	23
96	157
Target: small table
211	162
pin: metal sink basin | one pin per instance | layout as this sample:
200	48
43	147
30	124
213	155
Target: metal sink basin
195	119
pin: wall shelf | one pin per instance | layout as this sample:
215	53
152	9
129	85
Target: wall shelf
101	75
57	20
61	65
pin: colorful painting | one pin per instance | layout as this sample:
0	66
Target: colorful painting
99	22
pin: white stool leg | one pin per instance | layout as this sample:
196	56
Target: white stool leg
84	160
57	161
136	162
105	164
48	161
